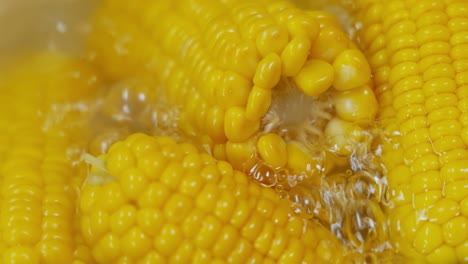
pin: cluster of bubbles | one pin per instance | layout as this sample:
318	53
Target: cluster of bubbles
130	106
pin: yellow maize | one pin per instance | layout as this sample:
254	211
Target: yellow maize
44	137
152	200
418	54
239	71
268	87
273	90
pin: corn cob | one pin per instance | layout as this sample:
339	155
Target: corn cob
152	200
38	178
418	53
252	80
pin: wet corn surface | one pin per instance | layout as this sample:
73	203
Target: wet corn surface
233	132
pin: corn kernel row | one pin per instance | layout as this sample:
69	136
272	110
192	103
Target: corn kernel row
417	52
39	181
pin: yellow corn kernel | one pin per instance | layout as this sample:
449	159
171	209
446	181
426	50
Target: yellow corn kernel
268	72
403	55
171	176
207	198
343	136
293	253
241	155
455	230
278	244
330	42
461	251
443	210
258	103
226	242
202	256
303	25
154	195
265	207
295	55
357	105
177	207
150	220
184	253
324	18
273	150
236	125
215	123
428	237
278	6
245	59
124	155
99	222
20	254
315	77
134	182
190	185
107	248
456	190
253	226
300	161
325	250
228	218
225	206
443	253
251	18
123	219
208	233
295	227
272	39
168	239
135	243
151	162
351	70
233	90
465	135
241	252
263	240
